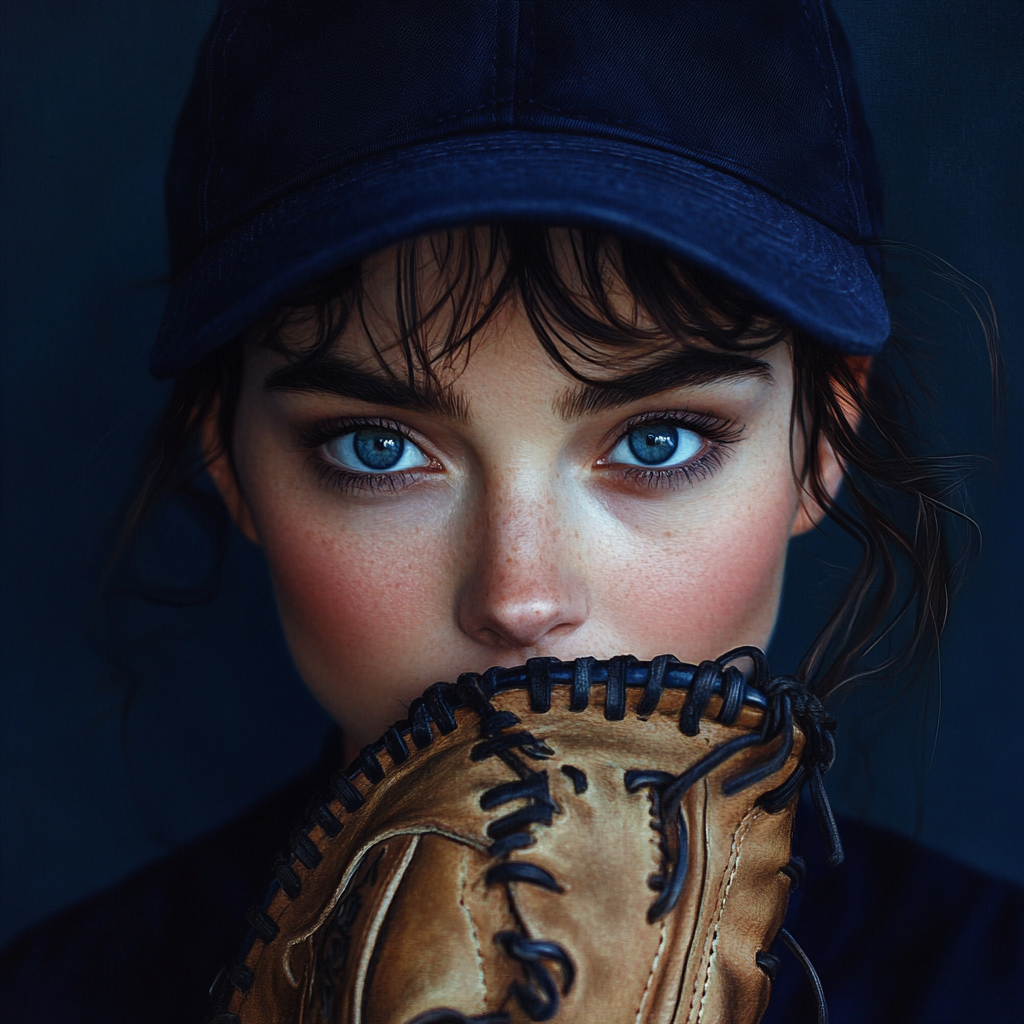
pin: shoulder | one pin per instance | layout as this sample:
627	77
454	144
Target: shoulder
149	947
900	933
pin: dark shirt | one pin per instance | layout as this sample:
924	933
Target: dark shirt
899	935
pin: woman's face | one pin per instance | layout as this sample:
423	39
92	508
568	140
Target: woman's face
515	513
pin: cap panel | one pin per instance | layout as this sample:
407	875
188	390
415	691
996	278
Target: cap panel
739	84
292	91
865	185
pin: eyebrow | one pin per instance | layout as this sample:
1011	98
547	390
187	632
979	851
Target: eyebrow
692	368
336	376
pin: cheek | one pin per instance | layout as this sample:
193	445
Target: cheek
328	586
703	585
362	596
354	607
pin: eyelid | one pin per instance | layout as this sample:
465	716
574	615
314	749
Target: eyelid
315	435
712	428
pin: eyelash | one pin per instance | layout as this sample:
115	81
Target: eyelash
718	435
313	437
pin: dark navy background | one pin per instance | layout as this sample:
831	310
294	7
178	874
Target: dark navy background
128	729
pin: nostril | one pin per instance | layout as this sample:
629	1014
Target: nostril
520	625
487	636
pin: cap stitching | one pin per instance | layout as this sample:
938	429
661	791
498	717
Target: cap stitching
505	60
724	164
494	62
651	156
840	129
527	52
862	217
211	137
513	75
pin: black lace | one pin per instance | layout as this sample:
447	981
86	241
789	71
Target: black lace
787	701
783	699
770	963
539	996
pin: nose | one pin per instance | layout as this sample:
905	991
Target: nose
524	590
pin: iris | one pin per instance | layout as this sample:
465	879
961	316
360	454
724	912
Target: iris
654	445
378	449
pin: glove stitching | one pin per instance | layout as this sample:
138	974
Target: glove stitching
736	849
539	996
397	874
477	949
650	976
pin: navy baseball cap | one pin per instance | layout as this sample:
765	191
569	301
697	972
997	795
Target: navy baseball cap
729	133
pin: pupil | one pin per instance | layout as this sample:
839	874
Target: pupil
654	445
379	449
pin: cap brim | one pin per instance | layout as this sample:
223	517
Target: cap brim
797	267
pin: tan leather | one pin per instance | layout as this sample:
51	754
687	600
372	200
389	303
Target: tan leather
402	888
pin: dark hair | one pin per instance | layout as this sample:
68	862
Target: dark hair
899	504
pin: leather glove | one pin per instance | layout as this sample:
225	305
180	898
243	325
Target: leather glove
574	841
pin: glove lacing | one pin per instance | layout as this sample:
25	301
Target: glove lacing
784	699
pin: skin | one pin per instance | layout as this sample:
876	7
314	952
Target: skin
523	535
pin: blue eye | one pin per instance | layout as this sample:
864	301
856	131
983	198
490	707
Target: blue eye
378	449
375	450
659	445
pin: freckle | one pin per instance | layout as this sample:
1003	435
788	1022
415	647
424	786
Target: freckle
668	533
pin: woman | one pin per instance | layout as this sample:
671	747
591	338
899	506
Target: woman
588	427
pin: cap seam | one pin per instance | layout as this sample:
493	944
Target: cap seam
527	49
494	61
863	220
841	126
652	140
506	60
210	101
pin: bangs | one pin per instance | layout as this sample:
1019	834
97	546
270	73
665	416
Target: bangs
597	304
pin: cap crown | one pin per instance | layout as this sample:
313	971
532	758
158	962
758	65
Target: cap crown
288	91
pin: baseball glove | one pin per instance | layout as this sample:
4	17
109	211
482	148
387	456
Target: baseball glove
575	841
